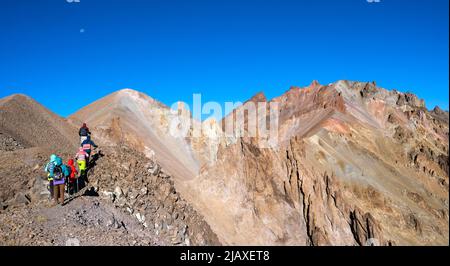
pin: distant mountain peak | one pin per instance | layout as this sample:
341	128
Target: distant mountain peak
314	84
32	124
259	97
17	96
128	91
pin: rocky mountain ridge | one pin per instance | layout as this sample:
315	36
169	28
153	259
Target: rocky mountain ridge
353	164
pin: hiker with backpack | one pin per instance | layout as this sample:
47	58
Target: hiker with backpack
58	172
72	181
87	146
84	133
49	170
81	157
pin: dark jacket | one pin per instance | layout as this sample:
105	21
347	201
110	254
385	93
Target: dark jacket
84	131
87	145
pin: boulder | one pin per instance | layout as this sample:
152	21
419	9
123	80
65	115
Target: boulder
153	168
39	190
140	217
144	191
20	199
118	192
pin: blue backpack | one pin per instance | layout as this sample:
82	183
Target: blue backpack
58	173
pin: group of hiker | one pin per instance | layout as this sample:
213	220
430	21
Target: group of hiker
65	177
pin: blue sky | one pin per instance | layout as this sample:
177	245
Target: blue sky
66	55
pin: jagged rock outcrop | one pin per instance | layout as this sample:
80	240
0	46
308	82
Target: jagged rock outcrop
341	174
139	187
411	100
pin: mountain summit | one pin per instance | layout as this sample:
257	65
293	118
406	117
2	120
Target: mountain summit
131	117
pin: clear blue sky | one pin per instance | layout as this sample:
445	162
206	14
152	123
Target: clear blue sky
66	55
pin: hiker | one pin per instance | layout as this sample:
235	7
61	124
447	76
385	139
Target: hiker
58	173
72	181
87	146
84	132
81	157
49	169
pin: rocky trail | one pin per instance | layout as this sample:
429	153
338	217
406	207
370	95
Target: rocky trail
142	209
84	221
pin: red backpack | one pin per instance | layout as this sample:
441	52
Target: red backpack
73	171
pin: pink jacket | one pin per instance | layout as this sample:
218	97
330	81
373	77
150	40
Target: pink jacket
81	156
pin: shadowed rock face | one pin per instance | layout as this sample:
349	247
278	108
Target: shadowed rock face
356	165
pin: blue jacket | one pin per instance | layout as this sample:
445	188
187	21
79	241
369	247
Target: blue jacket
56	161
88	144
